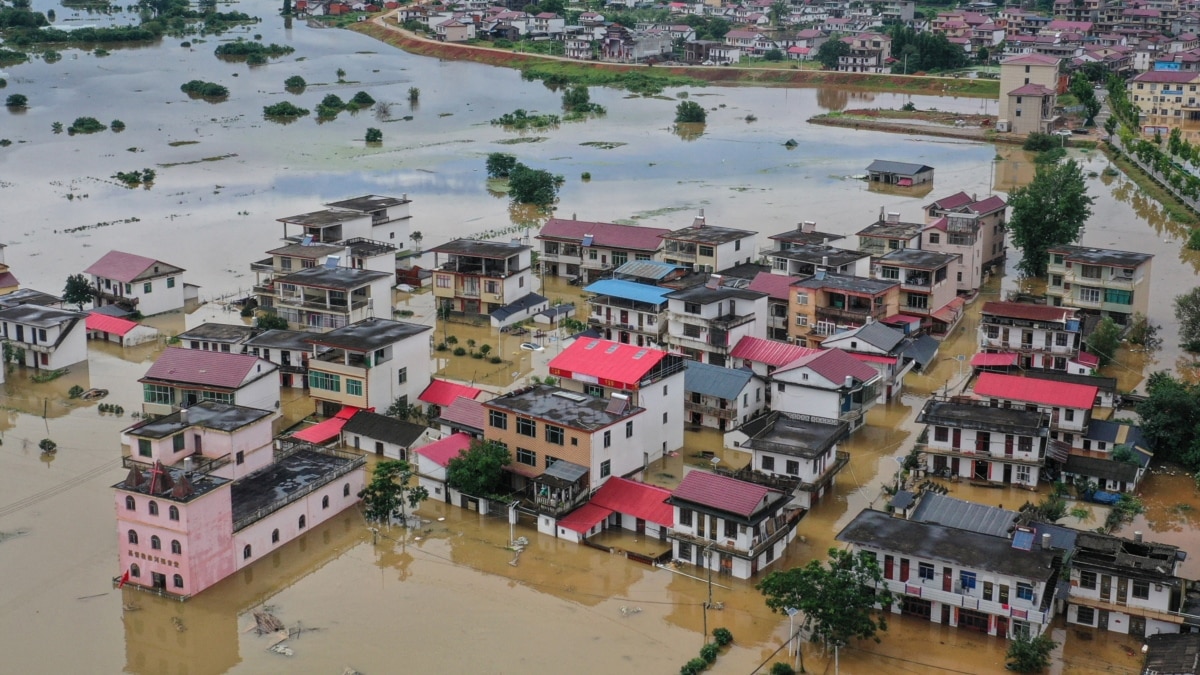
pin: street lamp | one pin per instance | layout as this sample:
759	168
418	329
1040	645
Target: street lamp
899	470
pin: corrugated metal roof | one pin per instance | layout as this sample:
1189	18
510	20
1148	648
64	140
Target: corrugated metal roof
646	269
1043	392
770	352
441	452
110	324
639	500
997	360
465	412
606	360
442	393
630	290
902	168
1028	311
833	365
963	515
709	380
585	517
775	285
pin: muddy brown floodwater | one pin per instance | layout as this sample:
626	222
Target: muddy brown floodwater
445	597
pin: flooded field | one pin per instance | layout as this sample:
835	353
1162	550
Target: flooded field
445	597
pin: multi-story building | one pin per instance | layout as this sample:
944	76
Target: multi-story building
371	217
888	350
369	364
973	230
888	234
827	304
1165	97
1099	281
137	283
45	338
217	337
730	526
181	378
926	289
205	497
778	289
959	577
289	350
805	233
706	321
578	249
828	383
978	442
327	297
479	277
794	453
8	280
1029	86
1069	405
708	248
629	312
652	379
869	53
808	259
1127	586
1041	336
722	398
1114	456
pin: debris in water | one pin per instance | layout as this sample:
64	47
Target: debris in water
268	623
283	649
626	611
791	143
281	636
19	532
178	622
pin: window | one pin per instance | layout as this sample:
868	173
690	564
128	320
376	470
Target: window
1086	615
685	517
1141	589
354	387
133	538
925	571
240	457
889	272
918	301
326	381
554	434
1089	271
792	467
153	508
246	552
135	571
1056	280
593	390
941	434
130	505
1060	339
691	307
497	419
1089	294
1118	297
706	251
605	468
128	288
275	536
1058	258
780	386
303	522
325	502
346	490
177	442
575	440
170	282
664	418
737	245
1025	591
147	287
1069	414
608	437
685	552
527	457
445	281
802	298
967	579
526	427
629	429
768	463
935	238
664	390
801	320
691	331
402	375
144	447
155	542
176	547
178	581
173	513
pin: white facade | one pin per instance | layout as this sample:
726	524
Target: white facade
708	331
971	448
803	391
150	296
720	413
51	338
372	375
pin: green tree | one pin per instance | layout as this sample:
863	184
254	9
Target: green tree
1048	212
577	99
1104	341
690	112
374	135
533	186
1170	418
270	321
1030	655
830	51
773	55
295	83
500	164
1187	312
287	8
17	101
779	10
837	598
414	94
479	470
389	492
78	290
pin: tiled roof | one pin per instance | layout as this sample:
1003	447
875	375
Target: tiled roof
123	267
989	205
876	334
441	452
997	360
465	412
774	285
110	324
636	499
607	235
585	517
770	352
1028	311
606	360
833	365
1031	60
212	369
1031	90
1169	76
954	201
717	381
721	493
442	393
1043	392
383	428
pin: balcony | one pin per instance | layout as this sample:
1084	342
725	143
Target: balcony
265	265
711	411
973	454
921	588
853	315
263	289
681	255
115	299
727	546
1135	610
476	269
319	305
200	463
916	283
730	321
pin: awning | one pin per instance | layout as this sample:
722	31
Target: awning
950	313
109	324
323	432
442	393
584	518
1058	450
999	360
562	474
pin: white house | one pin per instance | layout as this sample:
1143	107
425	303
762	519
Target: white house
797	453
1126	586
1070	405
181	378
706	321
431	461
722	398
708	248
1038	336
978	442
385	436
217	337
829	383
50	338
137	283
889	351
115	329
369	364
287	349
619	503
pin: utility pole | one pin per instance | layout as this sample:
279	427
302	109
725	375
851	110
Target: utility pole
708	603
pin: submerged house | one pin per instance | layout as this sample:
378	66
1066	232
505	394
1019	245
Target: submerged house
903	174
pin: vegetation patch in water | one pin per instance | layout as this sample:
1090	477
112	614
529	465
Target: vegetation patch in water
520	119
603	145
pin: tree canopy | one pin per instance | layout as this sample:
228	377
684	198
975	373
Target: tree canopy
919	52
479	470
386	496
837	598
1104	340
830	51
533	186
500	164
1171	419
1030	655
1048	212
690	112
1187	312
270	321
78	290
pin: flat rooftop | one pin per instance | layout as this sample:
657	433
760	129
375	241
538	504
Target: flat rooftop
951	414
709	234
819	254
368	203
28	296
481	249
802	236
322	218
219	332
283	339
705	295
208	414
849	284
891	230
368	334
916	258
275	484
337	278
1102	256
368	248
797	435
167	485
313	251
563	407
39	315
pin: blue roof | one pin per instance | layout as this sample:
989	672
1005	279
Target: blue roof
709	380
630	290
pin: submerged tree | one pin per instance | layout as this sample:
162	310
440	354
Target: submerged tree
1029	655
78	290
1105	340
1048	212
1187	312
479	470
690	112
389	492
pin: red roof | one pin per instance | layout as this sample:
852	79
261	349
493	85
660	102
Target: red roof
770	352
585	517
998	360
1031	90
613	364
721	492
119	266
109	324
950	311
1031	60
833	365
442	393
1042	392
639	500
774	285
607	235
873	358
993	203
323	432
1028	311
1087	359
8	279
1170	76
441	452
204	368
465	412
953	201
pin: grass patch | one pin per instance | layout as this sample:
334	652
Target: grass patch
521	119
640	81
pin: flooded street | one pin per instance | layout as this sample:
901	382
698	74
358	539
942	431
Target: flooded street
445	597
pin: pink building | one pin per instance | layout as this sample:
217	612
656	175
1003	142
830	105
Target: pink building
207	495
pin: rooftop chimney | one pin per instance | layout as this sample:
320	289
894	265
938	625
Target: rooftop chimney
698	222
808	226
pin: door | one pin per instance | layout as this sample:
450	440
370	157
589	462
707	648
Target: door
1137	626
1105	587
888	563
1102	619
158	581
1008	473
956	441
1002	626
1122	590
981	470
378	447
285	357
954	466
285	380
947	579
190	399
904	569
197	443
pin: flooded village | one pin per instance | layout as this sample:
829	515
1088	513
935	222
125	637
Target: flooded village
723	351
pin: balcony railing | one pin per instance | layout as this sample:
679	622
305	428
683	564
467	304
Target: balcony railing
116	299
987	456
917	284
853	315
731	321
263	289
266	265
292	301
1148	612
921	588
711	411
723	545
200	464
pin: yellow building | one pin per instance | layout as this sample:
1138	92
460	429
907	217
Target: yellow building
1028	93
1165	97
